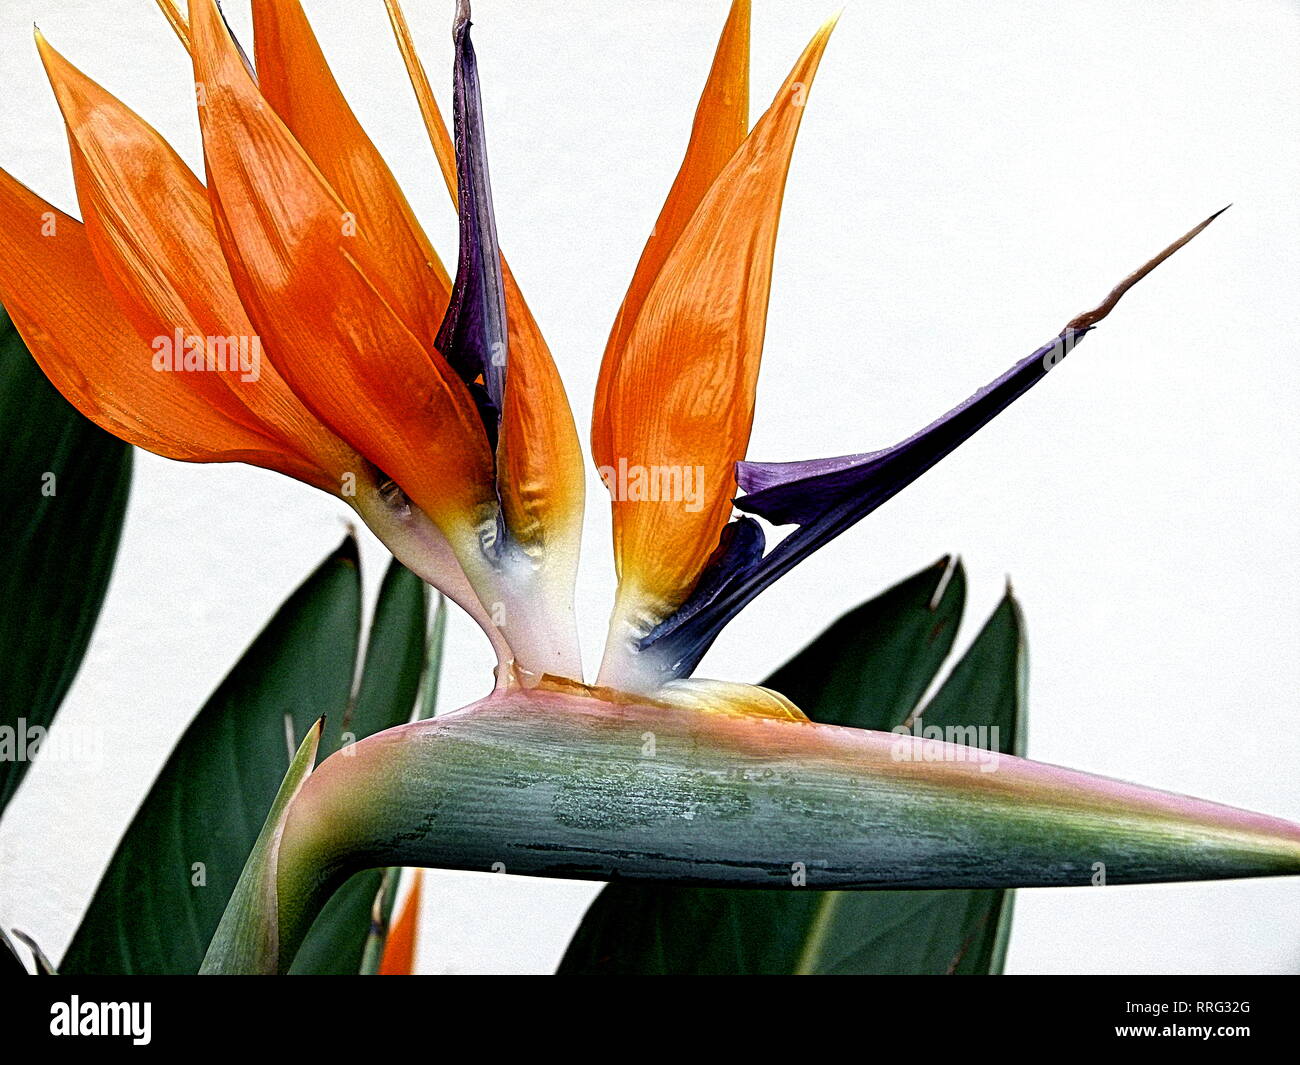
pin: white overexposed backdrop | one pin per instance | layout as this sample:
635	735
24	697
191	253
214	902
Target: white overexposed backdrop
968	177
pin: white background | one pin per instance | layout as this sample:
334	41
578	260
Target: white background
968	177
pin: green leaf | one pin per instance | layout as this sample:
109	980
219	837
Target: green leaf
381	911
871	667
381	917
989	685
390	685
868	670
337	940
65	484
395	656
433	671
245	941
165	889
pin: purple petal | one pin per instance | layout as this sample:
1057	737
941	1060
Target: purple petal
756	476
473	335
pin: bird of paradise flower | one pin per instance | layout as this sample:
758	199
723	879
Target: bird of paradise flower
432	407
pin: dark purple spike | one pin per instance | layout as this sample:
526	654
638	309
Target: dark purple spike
473	334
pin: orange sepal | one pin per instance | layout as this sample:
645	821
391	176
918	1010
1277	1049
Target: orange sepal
399	949
85	345
680	395
539	457
296	80
149	226
443	146
721	122
308	287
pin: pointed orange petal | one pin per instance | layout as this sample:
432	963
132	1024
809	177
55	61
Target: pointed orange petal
307	285
721	122
399	949
296	81
58	301
150	229
680	399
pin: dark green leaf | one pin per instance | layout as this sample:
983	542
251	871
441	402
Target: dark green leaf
163	895
382	908
871	667
337	940
988	687
395	655
381	916
433	671
65	484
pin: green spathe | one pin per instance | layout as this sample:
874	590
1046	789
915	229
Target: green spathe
558	784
